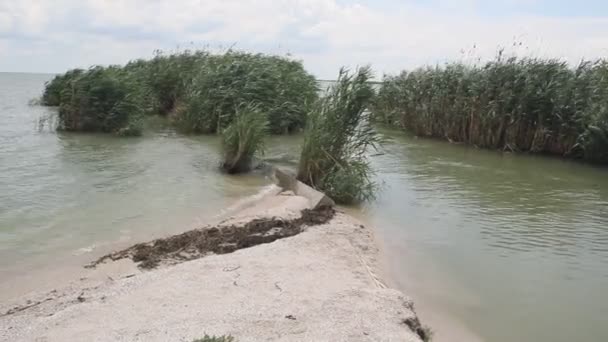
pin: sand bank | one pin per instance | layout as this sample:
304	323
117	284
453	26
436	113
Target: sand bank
318	285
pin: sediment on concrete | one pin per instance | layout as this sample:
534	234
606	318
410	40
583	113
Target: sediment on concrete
218	240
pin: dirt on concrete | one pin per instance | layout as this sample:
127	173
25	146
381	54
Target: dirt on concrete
220	239
424	332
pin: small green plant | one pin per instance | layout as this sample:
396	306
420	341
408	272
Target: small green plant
243	138
207	338
337	138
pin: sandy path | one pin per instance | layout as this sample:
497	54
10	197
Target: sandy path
316	286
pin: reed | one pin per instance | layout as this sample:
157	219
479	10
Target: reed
243	138
197	90
280	87
513	104
337	138
101	100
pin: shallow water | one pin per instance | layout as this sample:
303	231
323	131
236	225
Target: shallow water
514	246
508	247
65	194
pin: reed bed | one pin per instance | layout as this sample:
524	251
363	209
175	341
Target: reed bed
199	91
513	104
99	99
279	87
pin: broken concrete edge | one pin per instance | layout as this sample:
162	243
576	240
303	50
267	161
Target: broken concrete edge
288	182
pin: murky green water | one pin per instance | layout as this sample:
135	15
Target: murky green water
514	248
65	194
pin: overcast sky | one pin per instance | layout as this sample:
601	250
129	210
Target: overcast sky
54	35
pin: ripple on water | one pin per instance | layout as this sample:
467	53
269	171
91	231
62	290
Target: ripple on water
527	235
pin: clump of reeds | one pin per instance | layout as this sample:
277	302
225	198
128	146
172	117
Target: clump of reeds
280	87
198	90
101	100
168	76
530	104
54	88
337	138
243	138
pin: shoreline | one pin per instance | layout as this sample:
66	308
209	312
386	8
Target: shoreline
69	268
445	326
320	284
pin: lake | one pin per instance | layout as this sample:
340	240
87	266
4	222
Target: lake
502	247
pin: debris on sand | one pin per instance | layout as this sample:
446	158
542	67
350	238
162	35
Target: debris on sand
197	243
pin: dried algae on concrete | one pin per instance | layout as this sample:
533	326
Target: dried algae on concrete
196	243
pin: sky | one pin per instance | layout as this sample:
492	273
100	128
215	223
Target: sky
391	35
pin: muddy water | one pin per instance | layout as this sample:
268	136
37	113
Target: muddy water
494	247
514	247
66	196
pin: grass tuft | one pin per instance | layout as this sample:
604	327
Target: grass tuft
338	135
243	138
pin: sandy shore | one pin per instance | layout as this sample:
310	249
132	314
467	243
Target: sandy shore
319	285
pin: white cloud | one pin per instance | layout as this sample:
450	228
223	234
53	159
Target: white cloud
54	36
6	22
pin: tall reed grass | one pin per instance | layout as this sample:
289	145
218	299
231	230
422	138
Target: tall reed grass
515	104
243	138
337	138
199	91
99	99
280	87
54	88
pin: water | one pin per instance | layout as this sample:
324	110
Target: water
514	246
509	247
66	194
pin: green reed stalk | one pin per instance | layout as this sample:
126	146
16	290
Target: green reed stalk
243	138
337	137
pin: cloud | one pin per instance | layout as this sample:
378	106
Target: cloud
325	34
